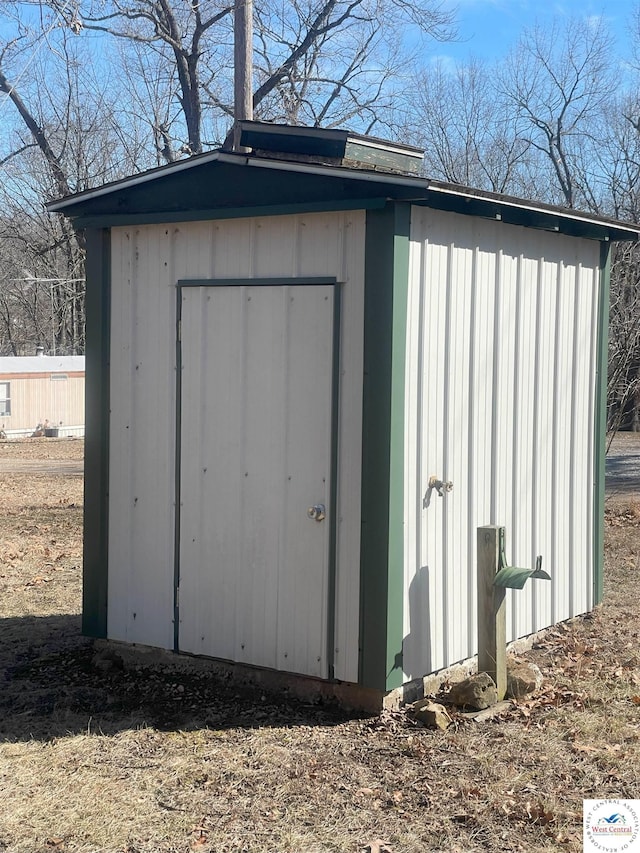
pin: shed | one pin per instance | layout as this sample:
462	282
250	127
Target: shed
35	389
284	347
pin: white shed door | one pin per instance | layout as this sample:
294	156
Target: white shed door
256	426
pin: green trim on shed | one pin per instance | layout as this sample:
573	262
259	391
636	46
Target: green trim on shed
382	541
395	580
96	451
600	415
164	216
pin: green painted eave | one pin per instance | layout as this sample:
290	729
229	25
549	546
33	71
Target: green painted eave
222	184
107	220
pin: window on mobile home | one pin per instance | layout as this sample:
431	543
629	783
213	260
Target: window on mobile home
5	399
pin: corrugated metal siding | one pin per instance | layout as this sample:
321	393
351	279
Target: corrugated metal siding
142	430
35	399
502	332
146	264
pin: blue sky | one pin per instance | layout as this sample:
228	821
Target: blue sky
488	28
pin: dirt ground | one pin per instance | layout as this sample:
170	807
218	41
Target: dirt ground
96	758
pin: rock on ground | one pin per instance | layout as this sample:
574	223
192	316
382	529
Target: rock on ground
478	691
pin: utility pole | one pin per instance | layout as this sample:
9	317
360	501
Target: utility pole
243	64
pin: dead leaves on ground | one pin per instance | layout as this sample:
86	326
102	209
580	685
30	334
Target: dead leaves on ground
550	699
55	558
623	516
376	846
12	553
527	810
201	837
519	807
378	799
53	554
600	749
40	579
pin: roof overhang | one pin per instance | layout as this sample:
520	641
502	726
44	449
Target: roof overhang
221	184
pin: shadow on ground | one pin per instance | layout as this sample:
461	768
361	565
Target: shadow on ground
52	685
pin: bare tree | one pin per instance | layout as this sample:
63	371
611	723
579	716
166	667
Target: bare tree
63	137
16	231
337	62
558	80
467	129
624	342
177	32
323	62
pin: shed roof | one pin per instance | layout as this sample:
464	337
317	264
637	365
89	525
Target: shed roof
41	364
221	184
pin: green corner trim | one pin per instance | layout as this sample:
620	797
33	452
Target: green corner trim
382	539
600	426
96	464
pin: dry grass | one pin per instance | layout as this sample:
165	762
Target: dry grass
95	761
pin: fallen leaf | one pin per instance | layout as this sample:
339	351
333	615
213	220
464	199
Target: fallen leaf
201	838
635	700
584	747
39	579
377	846
537	812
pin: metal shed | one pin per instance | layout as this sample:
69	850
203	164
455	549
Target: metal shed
35	389
283	348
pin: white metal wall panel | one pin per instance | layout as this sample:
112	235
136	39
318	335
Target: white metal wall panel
146	264
520	536
142	429
501	339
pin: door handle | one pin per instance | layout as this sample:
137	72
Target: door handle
317	512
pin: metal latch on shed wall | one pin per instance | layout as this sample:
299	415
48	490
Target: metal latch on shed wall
441	486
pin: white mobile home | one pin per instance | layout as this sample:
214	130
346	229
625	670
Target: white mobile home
285	348
39	389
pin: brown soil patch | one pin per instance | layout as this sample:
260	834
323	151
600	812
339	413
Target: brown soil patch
95	758
42	448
